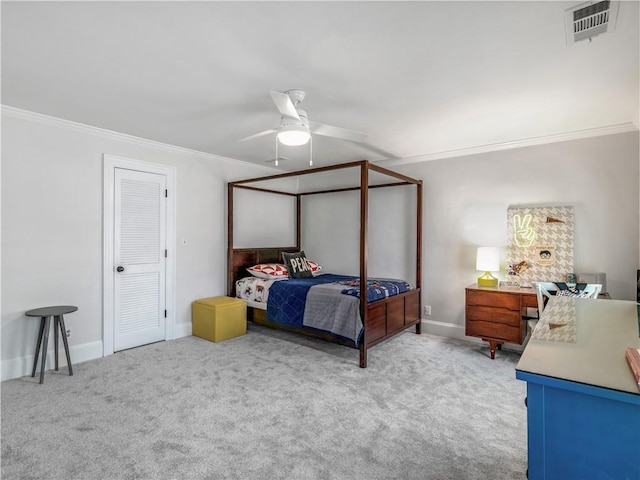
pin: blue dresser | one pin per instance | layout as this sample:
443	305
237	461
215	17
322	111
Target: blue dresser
583	405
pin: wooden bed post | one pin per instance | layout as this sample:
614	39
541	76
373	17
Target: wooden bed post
364	215
419	254
230	285
298	227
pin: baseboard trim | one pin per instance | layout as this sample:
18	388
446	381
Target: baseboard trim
443	329
182	330
452	330
21	366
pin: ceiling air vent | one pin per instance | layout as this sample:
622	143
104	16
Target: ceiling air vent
589	19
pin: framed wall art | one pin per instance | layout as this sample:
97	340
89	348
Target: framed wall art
540	244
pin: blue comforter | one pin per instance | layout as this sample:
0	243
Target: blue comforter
288	298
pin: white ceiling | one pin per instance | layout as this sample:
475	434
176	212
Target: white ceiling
420	78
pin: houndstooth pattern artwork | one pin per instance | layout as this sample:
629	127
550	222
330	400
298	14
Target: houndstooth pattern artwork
558	322
540	247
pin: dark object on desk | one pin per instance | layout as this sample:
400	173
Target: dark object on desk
45	315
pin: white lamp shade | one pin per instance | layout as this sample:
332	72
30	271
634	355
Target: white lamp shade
488	259
293	135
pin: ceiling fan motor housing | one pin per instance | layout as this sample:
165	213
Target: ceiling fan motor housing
296	95
304	119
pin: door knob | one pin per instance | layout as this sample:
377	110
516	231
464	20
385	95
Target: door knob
120	268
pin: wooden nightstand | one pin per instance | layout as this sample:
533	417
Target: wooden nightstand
496	315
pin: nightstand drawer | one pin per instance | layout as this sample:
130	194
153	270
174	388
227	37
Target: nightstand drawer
495	315
493	299
501	331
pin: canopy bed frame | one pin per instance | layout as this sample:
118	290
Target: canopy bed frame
381	319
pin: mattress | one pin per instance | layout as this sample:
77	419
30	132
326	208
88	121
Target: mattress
254	290
327	302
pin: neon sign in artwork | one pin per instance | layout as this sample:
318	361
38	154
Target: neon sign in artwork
540	244
524	234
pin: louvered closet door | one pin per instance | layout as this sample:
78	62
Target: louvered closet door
140	232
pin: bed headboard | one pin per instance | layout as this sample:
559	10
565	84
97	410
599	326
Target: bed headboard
241	258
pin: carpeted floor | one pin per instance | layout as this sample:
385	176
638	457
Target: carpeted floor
271	405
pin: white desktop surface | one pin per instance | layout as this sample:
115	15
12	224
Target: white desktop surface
583	340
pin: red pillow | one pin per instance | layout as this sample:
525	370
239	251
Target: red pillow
314	266
269	271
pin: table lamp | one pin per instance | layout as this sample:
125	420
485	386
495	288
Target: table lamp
487	261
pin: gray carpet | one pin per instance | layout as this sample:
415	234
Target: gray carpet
271	405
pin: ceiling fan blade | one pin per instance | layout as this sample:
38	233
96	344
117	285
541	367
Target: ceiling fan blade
337	132
261	134
285	105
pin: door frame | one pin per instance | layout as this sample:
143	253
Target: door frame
110	163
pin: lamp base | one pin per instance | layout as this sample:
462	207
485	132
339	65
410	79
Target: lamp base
487	280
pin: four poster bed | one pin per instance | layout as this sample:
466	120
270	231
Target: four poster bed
391	307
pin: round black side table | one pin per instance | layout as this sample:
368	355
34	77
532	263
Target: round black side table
45	315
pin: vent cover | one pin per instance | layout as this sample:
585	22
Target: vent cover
589	19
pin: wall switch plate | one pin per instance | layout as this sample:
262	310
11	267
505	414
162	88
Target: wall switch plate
426	310
68	332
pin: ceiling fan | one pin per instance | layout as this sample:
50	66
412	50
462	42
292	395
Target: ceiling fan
295	128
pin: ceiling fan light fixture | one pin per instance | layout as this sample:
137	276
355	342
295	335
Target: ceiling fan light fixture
293	135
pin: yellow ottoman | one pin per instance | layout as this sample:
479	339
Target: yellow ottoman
218	318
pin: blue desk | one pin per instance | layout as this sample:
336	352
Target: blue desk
583	415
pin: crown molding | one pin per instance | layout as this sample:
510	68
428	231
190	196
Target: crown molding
527	142
123	137
41	118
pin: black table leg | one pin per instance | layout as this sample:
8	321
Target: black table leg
56	322
45	342
63	331
35	358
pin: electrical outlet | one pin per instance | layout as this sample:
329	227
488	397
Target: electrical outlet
426	310
68	332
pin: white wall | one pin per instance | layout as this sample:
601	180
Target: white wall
466	200
465	206
52	228
263	219
331	232
52	222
